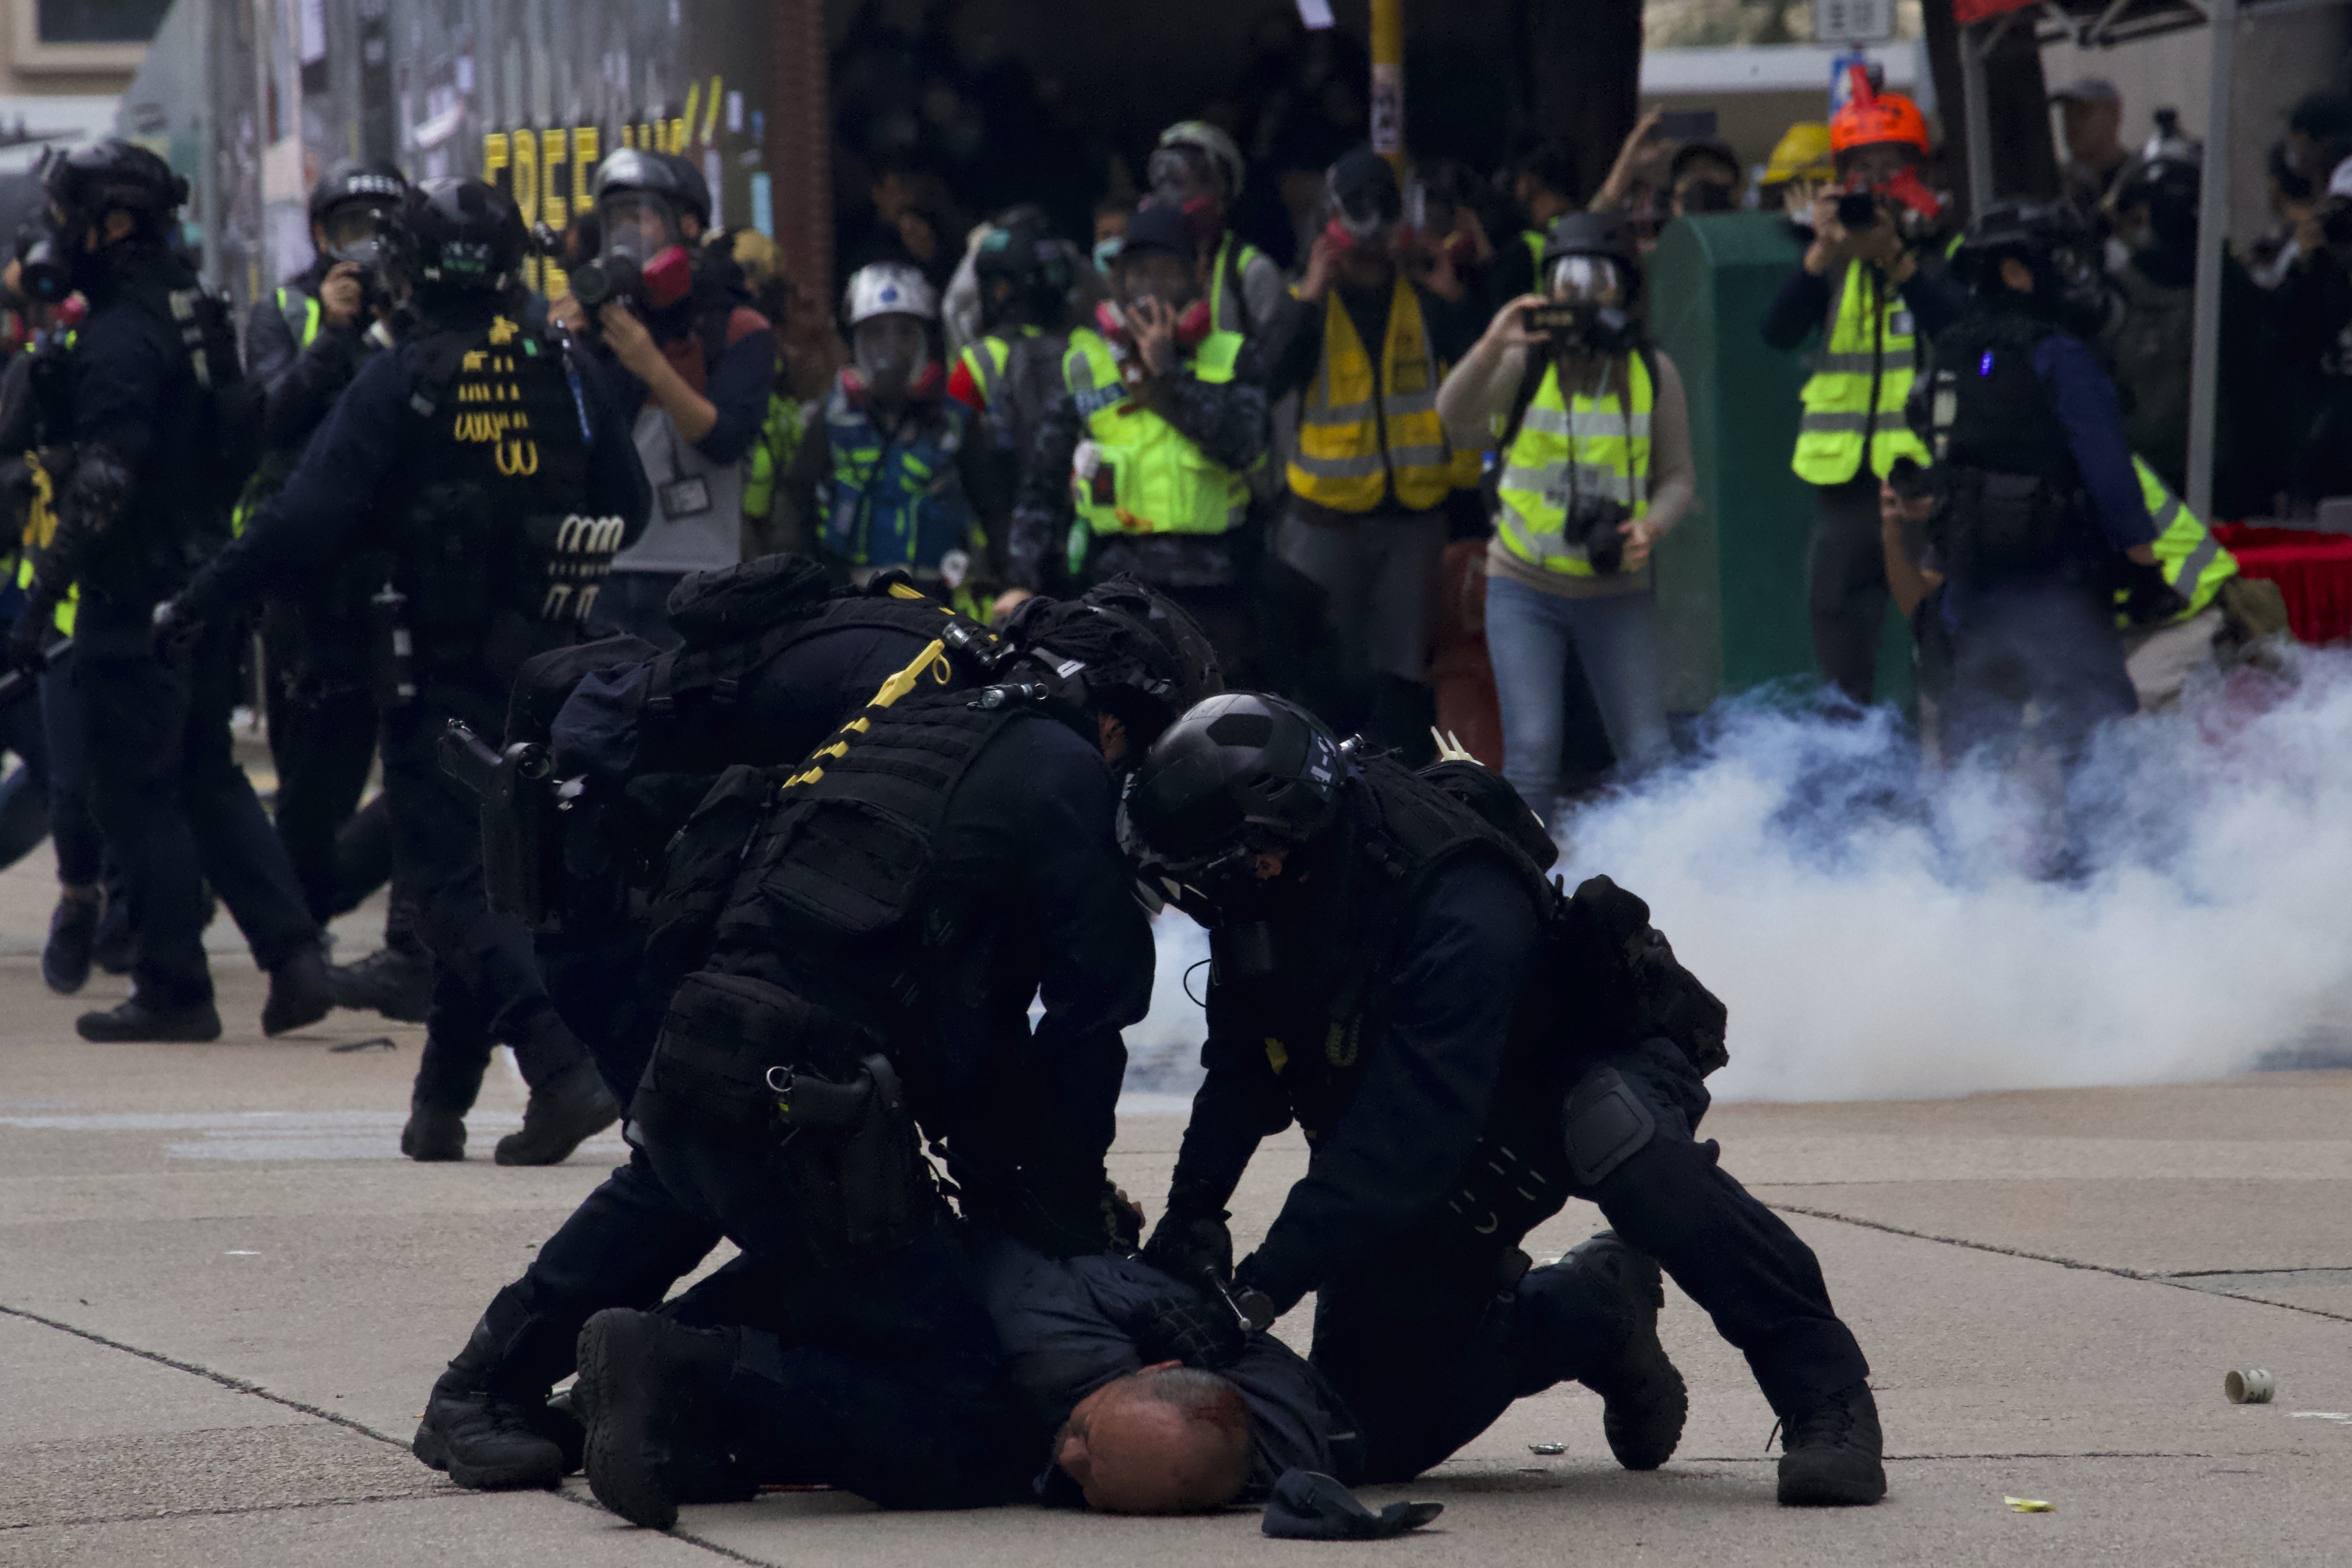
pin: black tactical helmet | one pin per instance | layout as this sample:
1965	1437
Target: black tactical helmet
2070	286
1135	653
379	184
1238	774
1591	234
460	236
113	175
665	174
2035	232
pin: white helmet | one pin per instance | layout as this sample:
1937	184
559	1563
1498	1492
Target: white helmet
889	289
1214	144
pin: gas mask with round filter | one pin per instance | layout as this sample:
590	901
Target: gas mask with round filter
644	259
1588	311
1184	179
891	354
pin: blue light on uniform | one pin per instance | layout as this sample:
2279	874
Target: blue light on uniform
1984	365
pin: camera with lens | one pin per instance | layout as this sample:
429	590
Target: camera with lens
1857	209
2336	221
1594	521
1603	329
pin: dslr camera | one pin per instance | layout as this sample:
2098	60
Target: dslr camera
1594	521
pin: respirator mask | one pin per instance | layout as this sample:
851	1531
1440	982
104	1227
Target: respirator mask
1182	177
890	359
644	261
1588	313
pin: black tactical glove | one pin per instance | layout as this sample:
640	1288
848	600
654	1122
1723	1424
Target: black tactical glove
1198	1331
1196	1249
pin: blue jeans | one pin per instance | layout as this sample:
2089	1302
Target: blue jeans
1528	635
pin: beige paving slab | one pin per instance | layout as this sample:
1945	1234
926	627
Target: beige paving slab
459	1531
2157	1225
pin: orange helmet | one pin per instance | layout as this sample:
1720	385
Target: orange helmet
1870	118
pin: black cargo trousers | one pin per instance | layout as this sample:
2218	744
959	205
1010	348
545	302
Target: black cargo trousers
1431	1343
876	1373
487	986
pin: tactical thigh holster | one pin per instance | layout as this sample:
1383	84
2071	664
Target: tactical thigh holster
742	1059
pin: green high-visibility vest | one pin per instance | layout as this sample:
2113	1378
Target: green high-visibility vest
1228	307
2192	560
1161	483
1569	445
778	443
303	323
1853	402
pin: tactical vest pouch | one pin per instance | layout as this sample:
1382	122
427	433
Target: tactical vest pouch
1492	797
1619	974
1993	526
701	864
845	865
722	1034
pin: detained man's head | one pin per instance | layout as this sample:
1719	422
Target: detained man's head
1168	1439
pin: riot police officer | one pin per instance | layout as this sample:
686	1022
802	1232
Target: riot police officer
866	944
2036	494
491	464
158	416
1467	1050
304	344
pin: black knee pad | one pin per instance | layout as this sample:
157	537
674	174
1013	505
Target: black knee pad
1607	1123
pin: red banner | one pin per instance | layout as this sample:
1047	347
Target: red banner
1966	12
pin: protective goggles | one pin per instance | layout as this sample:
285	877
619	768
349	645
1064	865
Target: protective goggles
1586	280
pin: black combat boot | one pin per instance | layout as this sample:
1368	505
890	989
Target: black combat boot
569	1108
648	1397
485	1440
299	994
434	1133
114	947
137	1023
1643	1401
391	981
487	1421
1830	1456
73	928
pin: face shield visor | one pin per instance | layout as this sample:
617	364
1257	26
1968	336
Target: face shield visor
890	350
638	226
1597	281
353	233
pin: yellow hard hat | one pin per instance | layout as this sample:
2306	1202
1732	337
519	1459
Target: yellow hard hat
1802	153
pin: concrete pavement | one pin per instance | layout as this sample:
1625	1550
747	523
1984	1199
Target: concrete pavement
223	1296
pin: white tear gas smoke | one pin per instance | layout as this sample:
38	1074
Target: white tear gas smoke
1881	931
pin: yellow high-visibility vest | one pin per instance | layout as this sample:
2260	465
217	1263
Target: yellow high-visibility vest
1356	436
1579	444
2192	560
1853	401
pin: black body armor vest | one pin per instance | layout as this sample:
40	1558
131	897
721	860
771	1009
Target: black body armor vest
496	531
2012	498
1606	980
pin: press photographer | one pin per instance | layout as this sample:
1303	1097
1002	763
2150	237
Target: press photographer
1595	437
1873	285
698	361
